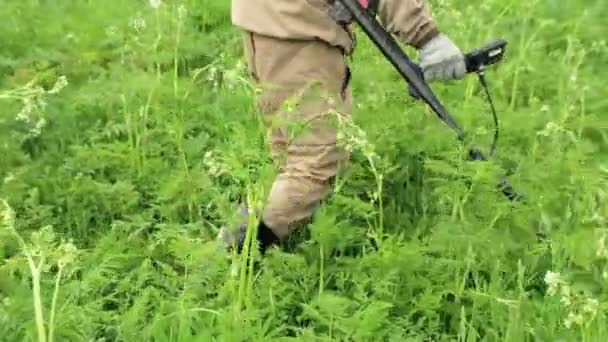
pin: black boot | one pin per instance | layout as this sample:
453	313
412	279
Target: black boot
266	237
235	237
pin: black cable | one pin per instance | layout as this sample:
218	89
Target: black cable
484	84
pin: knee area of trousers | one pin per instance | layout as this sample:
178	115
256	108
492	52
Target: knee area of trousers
318	165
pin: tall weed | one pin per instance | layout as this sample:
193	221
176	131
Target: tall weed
129	133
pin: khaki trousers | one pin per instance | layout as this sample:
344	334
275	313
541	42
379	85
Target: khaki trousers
303	85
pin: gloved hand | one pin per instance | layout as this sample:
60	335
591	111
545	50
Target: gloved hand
441	59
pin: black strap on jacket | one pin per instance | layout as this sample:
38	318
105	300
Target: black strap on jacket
343	16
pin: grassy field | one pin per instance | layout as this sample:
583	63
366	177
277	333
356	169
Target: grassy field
129	134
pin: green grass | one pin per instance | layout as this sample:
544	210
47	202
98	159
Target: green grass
114	184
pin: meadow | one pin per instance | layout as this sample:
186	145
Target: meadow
129	133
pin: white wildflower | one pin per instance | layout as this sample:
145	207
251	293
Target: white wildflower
61	83
566	296
155	4
550	129
591	306
37	129
208	155
553	280
213	165
138	23
573	319
351	137
26	111
69	254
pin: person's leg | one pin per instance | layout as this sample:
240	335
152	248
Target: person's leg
304	85
306	81
278	138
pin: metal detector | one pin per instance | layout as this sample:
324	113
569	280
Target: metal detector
476	61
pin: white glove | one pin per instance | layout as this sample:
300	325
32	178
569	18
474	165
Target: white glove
441	59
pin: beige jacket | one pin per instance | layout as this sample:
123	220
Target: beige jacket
410	20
